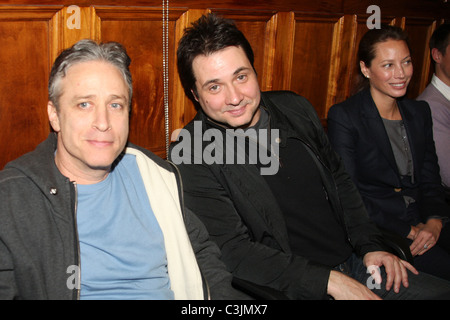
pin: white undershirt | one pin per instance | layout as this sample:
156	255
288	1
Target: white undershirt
441	86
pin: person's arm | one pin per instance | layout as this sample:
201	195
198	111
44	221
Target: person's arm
441	136
218	279
342	287
433	208
432	203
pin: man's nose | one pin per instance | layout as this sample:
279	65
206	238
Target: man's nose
234	96
101	121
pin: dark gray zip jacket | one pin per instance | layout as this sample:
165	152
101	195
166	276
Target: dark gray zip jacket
39	251
243	217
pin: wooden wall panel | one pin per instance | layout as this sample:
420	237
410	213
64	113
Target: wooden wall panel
25	64
315	60
305	46
71	24
419	32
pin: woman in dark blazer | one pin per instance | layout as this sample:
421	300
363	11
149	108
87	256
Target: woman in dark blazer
386	142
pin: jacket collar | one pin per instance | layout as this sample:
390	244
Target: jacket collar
278	120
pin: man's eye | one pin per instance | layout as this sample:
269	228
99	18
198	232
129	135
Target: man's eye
116	105
214	87
84	104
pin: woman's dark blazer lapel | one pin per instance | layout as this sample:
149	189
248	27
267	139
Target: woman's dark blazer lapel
372	120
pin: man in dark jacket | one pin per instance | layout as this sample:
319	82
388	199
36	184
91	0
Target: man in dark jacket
261	175
89	216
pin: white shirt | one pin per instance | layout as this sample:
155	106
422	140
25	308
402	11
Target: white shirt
441	86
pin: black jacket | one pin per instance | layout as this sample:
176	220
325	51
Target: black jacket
357	133
243	217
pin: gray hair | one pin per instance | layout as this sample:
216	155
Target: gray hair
84	51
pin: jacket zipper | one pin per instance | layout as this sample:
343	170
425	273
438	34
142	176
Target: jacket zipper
77	240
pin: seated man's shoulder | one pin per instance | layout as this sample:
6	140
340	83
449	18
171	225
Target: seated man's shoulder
288	100
282	95
152	156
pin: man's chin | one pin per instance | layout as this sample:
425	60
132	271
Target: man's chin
101	166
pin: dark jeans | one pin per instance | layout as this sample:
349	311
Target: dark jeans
421	287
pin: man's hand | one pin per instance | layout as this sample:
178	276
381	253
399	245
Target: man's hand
342	287
424	236
395	269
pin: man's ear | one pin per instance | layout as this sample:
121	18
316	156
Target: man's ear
436	55
53	116
194	95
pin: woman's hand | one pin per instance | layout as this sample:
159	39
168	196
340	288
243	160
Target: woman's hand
424	236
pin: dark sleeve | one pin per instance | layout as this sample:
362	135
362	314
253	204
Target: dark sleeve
363	234
247	259
218	279
342	138
433	202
